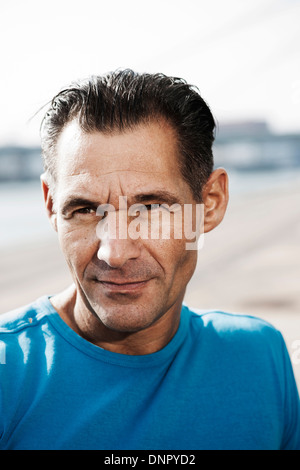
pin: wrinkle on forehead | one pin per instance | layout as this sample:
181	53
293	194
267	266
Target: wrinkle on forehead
78	167
117	183
82	173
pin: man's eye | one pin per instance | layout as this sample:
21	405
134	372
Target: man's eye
85	210
145	208
148	207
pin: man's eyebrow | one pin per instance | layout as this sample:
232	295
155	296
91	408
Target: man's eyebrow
157	196
75	201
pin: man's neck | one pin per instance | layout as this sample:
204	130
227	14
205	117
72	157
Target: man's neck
73	311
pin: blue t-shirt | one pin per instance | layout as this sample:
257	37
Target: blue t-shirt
224	381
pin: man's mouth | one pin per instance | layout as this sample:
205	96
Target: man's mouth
123	287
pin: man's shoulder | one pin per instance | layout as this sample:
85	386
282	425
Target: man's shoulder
240	338
231	326
24	316
224	319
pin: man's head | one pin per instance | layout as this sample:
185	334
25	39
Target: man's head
121	100
147	138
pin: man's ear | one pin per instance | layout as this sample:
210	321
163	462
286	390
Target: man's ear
215	199
48	198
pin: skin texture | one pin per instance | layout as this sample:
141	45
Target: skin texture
127	294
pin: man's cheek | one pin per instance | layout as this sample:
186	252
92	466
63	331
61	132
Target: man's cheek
78	245
170	254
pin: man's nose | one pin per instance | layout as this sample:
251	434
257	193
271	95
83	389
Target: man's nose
116	252
116	249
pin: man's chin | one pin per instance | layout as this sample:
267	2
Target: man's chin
126	318
126	312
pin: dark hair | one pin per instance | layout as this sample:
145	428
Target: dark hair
122	99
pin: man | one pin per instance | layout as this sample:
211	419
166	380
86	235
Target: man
117	361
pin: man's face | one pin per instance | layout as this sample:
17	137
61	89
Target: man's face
128	284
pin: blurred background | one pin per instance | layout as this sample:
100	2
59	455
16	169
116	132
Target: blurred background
244	58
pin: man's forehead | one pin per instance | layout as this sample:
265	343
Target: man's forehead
110	186
105	182
148	147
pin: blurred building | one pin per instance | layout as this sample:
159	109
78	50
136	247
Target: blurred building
250	145
20	163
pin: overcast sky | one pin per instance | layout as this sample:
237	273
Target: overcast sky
244	56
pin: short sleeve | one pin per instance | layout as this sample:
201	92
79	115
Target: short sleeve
291	435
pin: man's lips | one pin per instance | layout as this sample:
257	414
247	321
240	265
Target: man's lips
121	286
